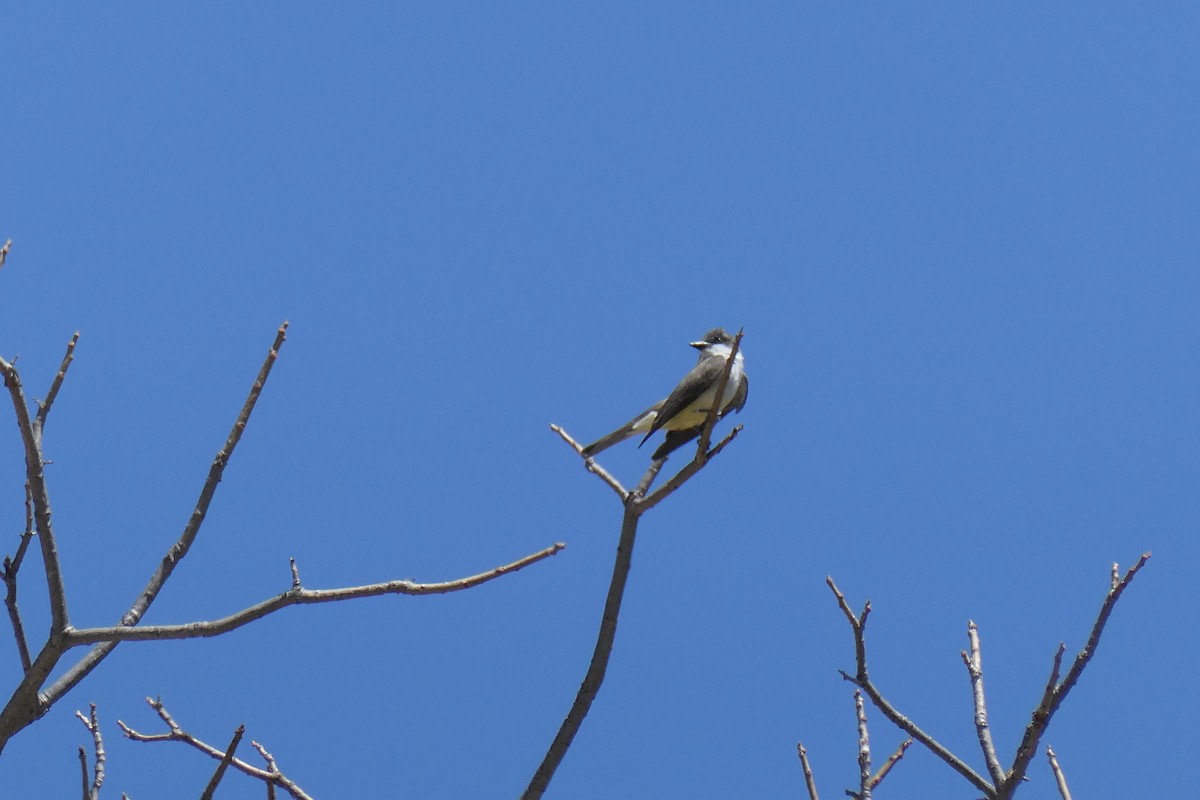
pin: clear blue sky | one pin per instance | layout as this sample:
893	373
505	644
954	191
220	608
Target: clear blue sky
961	239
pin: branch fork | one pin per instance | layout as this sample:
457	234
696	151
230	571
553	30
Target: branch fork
1004	782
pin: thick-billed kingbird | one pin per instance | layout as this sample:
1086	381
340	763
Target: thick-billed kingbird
683	413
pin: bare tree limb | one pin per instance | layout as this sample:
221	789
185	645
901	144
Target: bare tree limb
26	704
635	503
866	781
1059	778
44	405
272	776
296	596
1006	783
590	464
809	783
864	751
83	769
32	436
1053	698
36	478
692	467
594	676
211	788
863	681
974	664
11	567
180	549
91	791
892	760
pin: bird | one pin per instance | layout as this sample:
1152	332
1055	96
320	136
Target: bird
683	413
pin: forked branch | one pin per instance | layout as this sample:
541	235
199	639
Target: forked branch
867	782
30	700
1005	782
91	789
271	775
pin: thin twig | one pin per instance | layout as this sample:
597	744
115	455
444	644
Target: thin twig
1059	778
892	760
56	384
83	770
175	733
297	596
11	567
591	465
974	663
92	723
809	783
226	760
643	485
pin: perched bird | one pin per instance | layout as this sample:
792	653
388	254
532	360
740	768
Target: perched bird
683	413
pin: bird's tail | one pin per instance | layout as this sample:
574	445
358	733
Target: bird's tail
632	428
605	442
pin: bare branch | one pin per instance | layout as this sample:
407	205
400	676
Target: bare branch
974	663
1055	694
83	769
858	624
180	549
25	704
296	596
224	765
11	567
591	465
862	681
92	791
691	468
892	760
864	750
643	485
36	478
44	406
4	252
594	677
809	783
175	733
1059	778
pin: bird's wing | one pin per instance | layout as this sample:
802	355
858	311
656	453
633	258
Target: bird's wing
694	384
739	402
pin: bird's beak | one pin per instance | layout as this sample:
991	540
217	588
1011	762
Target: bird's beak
699	345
